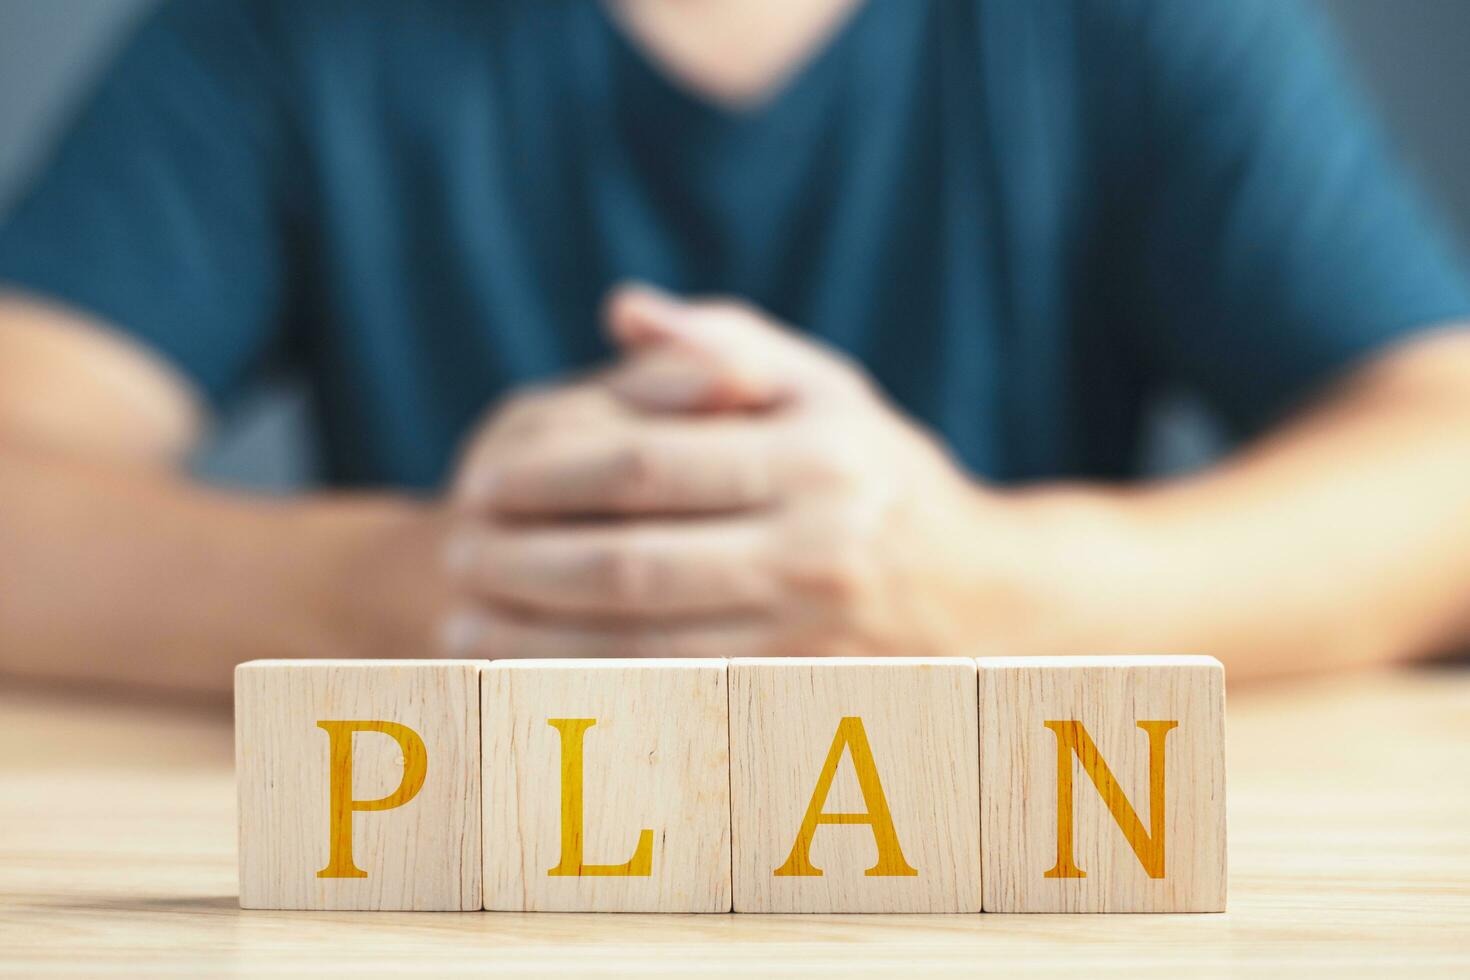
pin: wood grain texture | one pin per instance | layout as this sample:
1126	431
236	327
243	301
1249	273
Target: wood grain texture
1019	780
656	759
1349	856
423	855
919	720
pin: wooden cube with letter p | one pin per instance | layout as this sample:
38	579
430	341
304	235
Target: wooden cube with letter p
855	785
1102	784
607	786
359	784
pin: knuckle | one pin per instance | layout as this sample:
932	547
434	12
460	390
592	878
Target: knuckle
624	574
835	572
531	412
750	481
848	580
519	413
637	476
830	459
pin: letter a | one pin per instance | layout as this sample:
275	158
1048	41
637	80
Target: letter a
640	865
891	863
415	768
1147	845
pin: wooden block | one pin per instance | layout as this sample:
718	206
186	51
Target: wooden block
607	786
855	785
1138	744
359	784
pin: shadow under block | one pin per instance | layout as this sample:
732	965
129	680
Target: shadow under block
359	784
855	785
1138	743
607	786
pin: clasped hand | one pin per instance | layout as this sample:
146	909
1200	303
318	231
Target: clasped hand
727	489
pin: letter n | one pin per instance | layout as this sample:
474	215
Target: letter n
1148	845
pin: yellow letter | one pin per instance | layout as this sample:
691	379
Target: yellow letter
851	736
1148	846
415	768
640	865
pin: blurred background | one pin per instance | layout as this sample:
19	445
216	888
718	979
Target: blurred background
1410	57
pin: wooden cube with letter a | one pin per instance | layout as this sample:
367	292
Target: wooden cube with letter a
1102	784
607	786
855	785
359	784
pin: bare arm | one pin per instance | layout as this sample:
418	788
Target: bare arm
116	567
1341	539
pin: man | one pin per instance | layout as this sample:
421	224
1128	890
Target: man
964	242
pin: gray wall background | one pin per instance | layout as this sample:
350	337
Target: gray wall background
1413	57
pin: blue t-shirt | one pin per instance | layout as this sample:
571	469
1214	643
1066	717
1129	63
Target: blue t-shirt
1025	217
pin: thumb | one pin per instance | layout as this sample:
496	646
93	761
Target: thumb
712	355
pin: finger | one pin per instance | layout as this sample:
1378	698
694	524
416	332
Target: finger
529	417
720	369
759	364
497	634
704	466
672	379
643	571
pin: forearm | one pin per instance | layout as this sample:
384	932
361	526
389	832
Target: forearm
1342	539
135	575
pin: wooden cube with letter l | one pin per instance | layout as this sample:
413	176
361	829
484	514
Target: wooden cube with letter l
606	786
1102	784
855	785
359	784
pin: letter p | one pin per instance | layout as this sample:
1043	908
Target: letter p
415	768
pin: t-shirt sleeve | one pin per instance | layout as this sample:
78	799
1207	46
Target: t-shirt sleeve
164	211
1281	243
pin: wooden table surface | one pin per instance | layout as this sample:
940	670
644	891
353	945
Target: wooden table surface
1349	806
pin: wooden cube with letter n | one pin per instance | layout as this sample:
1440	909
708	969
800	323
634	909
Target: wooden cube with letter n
607	786
1102	784
359	784
855	785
